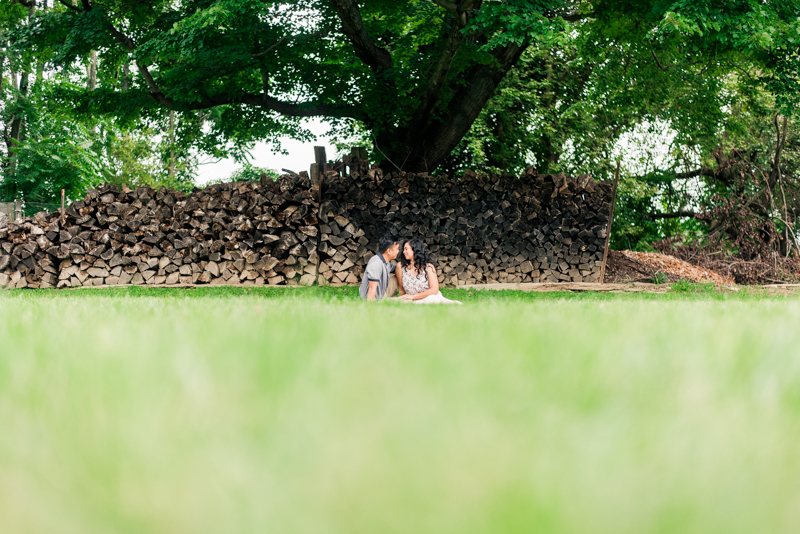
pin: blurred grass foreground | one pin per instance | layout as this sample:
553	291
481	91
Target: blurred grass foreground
308	411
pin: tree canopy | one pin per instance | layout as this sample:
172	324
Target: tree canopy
131	91
415	74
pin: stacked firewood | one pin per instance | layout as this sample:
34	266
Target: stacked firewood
241	233
480	228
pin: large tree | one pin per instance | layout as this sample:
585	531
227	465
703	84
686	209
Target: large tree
414	74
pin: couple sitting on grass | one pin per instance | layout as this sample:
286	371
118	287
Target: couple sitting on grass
414	276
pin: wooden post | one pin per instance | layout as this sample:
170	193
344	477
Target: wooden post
263	179
610	222
318	171
62	204
17	210
320	159
359	152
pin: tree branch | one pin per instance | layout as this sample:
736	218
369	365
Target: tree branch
301	110
465	106
259	100
703	171
127	42
665	69
271	47
779	144
69	6
289	38
673	215
574	17
268	102
551	14
449	6
353	27
439	75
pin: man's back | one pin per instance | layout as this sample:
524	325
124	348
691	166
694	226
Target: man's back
377	270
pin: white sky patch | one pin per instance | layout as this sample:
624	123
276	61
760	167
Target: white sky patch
645	148
299	158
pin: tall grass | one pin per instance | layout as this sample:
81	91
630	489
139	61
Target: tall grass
310	412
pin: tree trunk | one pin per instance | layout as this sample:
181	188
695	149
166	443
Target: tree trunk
126	73
2	64
17	127
425	150
498	158
17	134
92	71
171	169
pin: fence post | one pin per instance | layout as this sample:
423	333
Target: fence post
320	158
610	222
359	152
18	215
317	179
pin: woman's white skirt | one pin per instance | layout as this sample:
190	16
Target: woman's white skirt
438	298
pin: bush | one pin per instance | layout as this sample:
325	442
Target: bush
247	173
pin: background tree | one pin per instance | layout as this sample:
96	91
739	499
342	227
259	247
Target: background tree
431	84
416	73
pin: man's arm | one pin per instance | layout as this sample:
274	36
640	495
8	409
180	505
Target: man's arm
372	291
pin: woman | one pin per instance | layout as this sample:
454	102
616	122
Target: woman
416	276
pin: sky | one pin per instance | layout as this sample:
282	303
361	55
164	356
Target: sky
640	150
299	158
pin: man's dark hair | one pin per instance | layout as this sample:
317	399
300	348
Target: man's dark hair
386	241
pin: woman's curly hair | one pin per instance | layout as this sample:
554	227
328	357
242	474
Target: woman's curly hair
421	257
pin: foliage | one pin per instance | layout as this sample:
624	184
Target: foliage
670	87
686	286
660	277
416	74
49	146
248	173
61	152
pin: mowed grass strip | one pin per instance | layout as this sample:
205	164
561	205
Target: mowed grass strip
307	411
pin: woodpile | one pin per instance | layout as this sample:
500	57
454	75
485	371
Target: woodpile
241	233
480	228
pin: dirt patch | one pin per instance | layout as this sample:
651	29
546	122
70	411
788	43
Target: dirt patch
628	266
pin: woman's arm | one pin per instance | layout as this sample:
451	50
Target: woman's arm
433	281
398	272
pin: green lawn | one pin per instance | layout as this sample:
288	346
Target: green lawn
307	411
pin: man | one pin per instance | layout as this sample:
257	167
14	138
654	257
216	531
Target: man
378	281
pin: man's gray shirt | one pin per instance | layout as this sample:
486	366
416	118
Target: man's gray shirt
378	270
